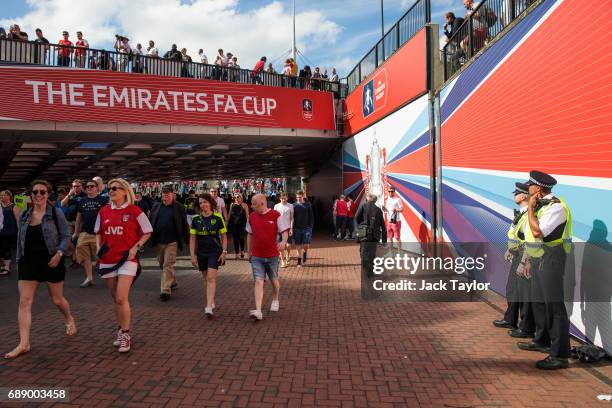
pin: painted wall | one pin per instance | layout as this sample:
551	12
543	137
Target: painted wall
539	98
399	79
395	151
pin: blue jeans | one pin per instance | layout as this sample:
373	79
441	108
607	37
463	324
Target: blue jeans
263	267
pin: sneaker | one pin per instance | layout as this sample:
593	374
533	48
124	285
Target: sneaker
86	283
256	314
348	238
164	297
117	341
275	306
299	263
208	311
126	343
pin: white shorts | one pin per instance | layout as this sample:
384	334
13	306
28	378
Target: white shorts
129	268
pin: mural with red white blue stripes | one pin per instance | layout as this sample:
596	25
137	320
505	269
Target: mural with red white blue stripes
395	152
539	98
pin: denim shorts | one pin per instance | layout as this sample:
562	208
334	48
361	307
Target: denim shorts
302	236
263	267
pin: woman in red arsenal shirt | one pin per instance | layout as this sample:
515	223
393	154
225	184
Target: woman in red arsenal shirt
121	230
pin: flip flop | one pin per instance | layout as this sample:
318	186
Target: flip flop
71	329
16	352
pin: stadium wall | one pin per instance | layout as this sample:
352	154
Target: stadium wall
539	98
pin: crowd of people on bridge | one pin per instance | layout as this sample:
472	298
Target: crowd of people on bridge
224	65
485	15
105	227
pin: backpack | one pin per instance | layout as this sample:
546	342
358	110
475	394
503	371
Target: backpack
588	353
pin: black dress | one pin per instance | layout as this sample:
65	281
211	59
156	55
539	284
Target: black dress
33	265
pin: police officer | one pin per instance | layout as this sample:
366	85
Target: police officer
548	235
518	285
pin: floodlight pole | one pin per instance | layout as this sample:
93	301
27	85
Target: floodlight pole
293	47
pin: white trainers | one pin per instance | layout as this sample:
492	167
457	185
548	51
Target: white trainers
256	314
117	341
208	311
126	343
274	306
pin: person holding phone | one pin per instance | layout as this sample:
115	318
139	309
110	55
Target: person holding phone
121	230
42	242
208	246
548	240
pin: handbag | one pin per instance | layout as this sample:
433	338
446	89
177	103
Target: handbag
364	229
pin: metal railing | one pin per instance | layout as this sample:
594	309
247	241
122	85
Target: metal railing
411	22
20	52
485	22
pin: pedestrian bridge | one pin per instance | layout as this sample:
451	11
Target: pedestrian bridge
62	122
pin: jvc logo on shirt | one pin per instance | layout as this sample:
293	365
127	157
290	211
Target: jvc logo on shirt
114	230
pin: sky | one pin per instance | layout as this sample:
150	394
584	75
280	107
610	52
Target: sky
329	33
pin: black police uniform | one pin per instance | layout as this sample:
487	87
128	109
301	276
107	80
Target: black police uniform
550	315
518	288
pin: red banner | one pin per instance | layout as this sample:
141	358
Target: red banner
398	80
41	93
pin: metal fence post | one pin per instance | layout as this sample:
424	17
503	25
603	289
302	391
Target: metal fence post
445	63
471	37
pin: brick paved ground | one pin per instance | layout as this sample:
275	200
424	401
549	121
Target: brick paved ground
326	347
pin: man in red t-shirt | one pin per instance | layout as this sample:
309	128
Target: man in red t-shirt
64	50
80	54
263	227
340	213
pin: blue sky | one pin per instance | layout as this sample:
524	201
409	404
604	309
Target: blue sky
330	33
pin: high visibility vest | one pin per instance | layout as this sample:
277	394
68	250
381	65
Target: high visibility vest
514	242
21	201
535	246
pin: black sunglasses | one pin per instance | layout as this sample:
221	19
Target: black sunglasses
91	186
39	192
115	188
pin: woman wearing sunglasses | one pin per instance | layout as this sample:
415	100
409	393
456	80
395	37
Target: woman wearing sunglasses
121	230
42	242
208	246
238	215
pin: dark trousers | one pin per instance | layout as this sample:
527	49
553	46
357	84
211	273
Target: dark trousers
367	251
63	61
550	315
340	225
518	295
238	239
350	224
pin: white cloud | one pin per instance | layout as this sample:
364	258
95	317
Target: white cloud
207	24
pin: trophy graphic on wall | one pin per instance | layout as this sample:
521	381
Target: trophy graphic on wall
375	169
